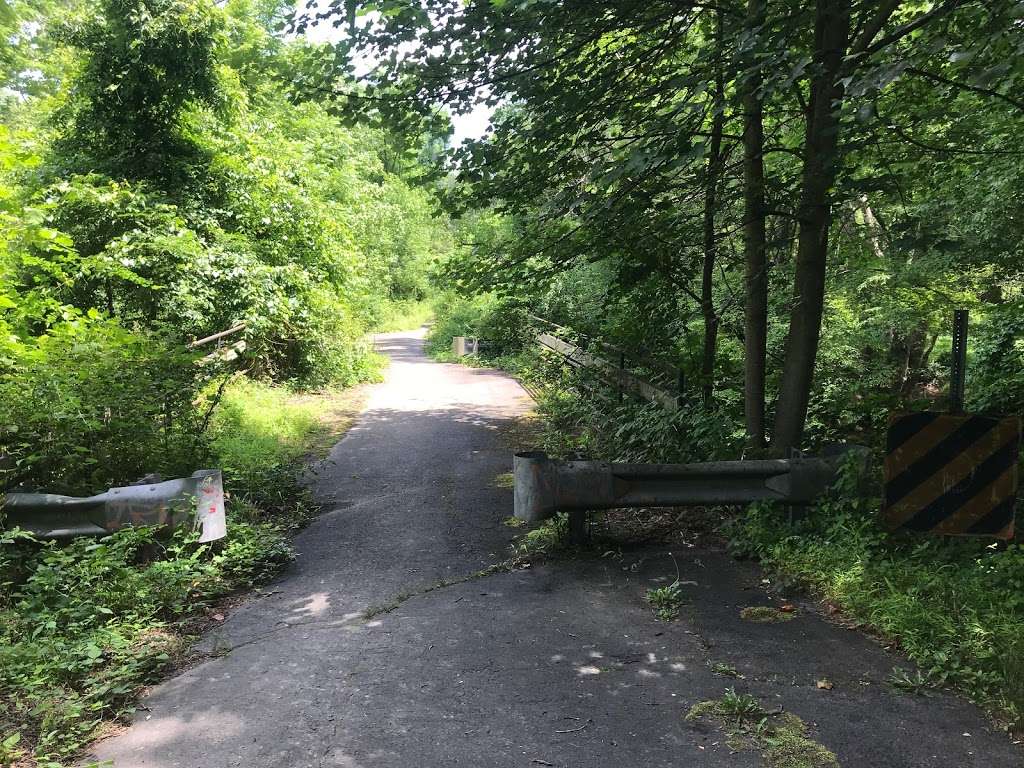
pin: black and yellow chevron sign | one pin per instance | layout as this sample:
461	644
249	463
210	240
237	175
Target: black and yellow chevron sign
952	474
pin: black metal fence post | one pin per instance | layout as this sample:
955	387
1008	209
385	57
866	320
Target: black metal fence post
959	363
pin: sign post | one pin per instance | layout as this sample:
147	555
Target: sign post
959	364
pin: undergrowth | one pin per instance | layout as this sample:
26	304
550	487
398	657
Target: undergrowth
956	607
84	626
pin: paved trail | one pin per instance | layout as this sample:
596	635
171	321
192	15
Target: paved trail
558	665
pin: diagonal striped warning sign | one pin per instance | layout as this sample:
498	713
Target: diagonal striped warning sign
952	474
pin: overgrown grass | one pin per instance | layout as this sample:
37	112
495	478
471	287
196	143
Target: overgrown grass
258	437
84	626
548	538
956	607
404	315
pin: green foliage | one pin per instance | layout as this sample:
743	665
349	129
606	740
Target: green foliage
725	669
259	436
996	383
546	539
583	417
86	624
404	316
178	192
739	706
89	405
781	738
765	614
915	682
144	63
501	324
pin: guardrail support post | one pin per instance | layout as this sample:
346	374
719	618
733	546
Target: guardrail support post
578	534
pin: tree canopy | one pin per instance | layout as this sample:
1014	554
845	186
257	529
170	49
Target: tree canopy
798	175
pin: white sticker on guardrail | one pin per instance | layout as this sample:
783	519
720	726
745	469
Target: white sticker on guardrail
210	508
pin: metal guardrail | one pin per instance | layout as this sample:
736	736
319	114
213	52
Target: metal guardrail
623	379
544	486
671	374
217	336
626	381
197	500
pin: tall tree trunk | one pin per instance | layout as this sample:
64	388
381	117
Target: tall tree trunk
755	336
821	156
714	172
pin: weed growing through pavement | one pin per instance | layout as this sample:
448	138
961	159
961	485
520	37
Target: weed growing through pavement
504	480
546	539
915	683
725	670
666	601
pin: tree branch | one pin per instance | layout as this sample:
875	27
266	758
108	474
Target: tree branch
966	87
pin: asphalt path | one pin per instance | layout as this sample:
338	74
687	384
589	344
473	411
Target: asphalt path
555	665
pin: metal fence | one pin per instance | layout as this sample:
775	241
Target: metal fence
616	370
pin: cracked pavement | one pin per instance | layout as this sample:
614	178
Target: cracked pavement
556	665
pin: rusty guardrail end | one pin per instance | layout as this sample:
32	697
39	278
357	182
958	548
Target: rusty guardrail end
535	498
544	486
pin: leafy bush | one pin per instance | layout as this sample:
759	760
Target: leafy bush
584	417
88	624
500	324
996	382
89	405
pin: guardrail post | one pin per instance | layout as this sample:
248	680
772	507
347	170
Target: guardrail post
578	534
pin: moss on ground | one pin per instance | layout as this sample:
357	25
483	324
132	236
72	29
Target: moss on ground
504	480
782	738
765	614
